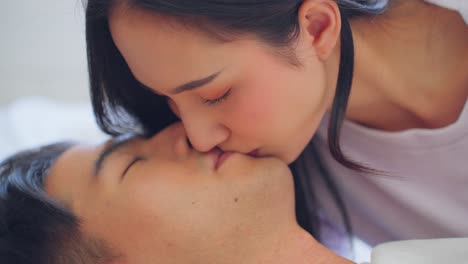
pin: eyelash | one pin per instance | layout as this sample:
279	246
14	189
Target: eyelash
222	98
130	165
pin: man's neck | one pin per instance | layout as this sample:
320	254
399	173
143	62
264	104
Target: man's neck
299	247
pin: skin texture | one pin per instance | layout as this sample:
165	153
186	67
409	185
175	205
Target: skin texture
175	206
274	107
410	68
275	116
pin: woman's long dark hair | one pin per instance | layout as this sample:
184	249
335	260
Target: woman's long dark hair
122	105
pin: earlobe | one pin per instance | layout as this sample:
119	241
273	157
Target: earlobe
320	22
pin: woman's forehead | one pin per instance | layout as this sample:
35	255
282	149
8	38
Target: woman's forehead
163	60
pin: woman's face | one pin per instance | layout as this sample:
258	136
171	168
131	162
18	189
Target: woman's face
240	96
158	199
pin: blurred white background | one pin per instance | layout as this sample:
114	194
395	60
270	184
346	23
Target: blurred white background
43	74
42	49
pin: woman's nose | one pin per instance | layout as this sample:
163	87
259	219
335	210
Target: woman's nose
205	135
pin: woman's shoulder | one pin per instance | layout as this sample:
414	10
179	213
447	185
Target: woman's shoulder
457	5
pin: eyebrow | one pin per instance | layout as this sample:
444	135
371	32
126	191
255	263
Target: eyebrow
191	85
114	145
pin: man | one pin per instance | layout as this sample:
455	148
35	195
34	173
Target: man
136	201
150	201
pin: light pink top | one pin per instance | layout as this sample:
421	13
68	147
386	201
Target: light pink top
425	194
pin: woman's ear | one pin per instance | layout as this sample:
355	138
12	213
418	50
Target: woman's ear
320	23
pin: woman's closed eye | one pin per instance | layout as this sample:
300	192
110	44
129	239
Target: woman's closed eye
218	100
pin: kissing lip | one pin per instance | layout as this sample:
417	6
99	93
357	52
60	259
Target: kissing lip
223	157
219	157
254	153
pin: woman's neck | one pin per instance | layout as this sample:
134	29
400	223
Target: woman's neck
410	67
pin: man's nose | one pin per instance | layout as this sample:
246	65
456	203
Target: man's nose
205	133
172	137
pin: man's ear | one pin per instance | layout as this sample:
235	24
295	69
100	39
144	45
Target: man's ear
320	23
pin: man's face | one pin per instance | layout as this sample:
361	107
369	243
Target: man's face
159	201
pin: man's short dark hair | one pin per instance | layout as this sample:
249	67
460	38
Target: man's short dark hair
34	228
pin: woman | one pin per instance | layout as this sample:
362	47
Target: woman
263	77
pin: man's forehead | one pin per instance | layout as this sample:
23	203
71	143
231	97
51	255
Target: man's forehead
72	167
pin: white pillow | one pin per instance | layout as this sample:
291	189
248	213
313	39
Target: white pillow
429	251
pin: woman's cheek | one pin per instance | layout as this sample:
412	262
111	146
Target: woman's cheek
252	114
